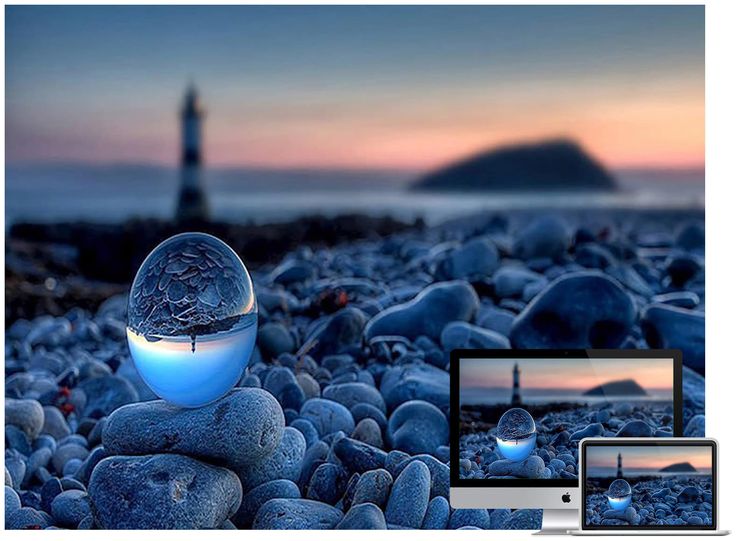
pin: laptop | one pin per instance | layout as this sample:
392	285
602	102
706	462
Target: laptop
655	486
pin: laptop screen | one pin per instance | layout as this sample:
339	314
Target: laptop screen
520	419
653	485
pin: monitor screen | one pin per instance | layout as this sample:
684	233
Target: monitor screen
649	485
521	419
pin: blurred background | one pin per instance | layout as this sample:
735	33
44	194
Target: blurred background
275	127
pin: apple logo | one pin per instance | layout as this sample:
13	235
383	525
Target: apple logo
566	497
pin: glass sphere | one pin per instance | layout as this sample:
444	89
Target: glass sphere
516	434
619	495
192	319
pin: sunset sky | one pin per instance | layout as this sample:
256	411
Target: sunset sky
576	374
365	87
602	460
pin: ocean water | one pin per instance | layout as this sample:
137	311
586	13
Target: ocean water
117	192
476	396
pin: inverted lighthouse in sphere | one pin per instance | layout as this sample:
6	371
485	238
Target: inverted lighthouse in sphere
192	205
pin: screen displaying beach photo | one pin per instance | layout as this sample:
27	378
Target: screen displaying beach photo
523	418
649	486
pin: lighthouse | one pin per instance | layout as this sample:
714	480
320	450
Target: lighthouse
516	394
620	471
192	204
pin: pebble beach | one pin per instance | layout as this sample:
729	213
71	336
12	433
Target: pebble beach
340	419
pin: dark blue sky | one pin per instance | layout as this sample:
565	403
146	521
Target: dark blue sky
366	86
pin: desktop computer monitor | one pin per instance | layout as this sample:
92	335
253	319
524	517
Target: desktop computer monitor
517	417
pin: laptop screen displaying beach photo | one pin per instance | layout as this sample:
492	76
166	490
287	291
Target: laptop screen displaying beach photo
649	486
524	418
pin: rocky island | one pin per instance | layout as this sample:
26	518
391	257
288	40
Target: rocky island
547	166
624	387
680	467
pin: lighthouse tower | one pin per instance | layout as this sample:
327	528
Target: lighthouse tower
516	395
620	471
192	204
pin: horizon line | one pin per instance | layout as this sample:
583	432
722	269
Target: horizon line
624	168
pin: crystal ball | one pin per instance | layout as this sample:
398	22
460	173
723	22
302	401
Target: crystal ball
516	434
619	495
192	319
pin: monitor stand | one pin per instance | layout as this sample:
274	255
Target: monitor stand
559	521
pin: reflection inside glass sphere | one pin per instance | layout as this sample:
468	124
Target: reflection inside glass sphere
192	319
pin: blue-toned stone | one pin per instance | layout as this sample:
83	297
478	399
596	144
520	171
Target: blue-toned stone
70	507
284	463
256	497
65	453
590	431
106	394
524	519
292	271
12	501
439	473
358	456
373	486
496	319
277	378
16	469
16	439
438	513
162	492
69	483
470	517
682	299
337	334
27	518
498	518
510	281
695	427
273	340
461	335
681	268
578	310
689	494
666	326
307	429
328	416
442	453
315	455
594	256
635	429
476	259
327	484
530	468
366	411
417	427
368	431
365	516
240	429
409	497
427	313
293	514
50	490
54	423
691	236
352	394
85	470
546	236
418	381
309	385
25	414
